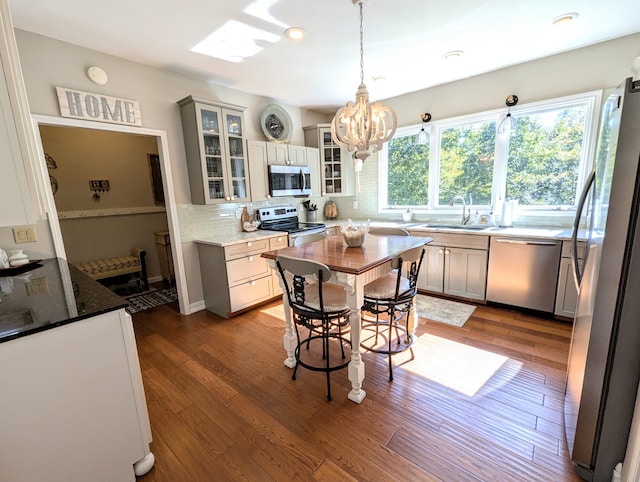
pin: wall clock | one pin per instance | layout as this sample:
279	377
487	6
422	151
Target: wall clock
276	123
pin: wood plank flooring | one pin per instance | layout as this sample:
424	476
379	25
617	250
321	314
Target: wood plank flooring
482	402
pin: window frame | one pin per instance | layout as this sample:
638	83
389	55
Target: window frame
593	102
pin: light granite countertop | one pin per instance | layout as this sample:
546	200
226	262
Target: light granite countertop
231	239
561	234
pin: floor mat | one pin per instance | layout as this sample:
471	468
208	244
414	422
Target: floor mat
444	311
151	299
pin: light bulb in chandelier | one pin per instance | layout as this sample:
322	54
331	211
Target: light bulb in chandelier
421	138
362	127
509	124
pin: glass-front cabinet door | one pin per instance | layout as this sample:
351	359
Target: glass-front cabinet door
237	160
214	144
336	167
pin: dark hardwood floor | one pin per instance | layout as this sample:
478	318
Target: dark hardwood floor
482	402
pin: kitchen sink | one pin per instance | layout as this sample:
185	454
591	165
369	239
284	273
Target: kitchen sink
453	226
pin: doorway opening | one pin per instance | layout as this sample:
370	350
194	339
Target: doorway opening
111	191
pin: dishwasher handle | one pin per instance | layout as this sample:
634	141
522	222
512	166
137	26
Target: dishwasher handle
531	243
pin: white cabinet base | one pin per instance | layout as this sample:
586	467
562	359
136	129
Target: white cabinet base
72	404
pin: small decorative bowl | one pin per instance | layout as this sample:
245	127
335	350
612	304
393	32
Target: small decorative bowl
250	226
355	237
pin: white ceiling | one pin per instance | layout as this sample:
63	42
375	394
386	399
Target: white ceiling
404	39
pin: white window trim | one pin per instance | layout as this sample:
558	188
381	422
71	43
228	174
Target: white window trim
593	100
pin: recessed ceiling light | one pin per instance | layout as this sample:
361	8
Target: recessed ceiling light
454	54
564	19
295	33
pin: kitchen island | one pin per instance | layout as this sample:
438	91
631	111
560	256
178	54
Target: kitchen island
73	405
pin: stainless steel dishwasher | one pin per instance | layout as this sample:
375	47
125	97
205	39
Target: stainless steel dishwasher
523	272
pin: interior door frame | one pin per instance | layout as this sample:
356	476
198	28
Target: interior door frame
167	184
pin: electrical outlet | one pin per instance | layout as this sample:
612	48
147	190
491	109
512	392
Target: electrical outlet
25	234
354	204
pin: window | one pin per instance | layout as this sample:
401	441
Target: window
542	164
466	162
544	157
408	172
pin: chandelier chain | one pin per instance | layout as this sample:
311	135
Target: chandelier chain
361	48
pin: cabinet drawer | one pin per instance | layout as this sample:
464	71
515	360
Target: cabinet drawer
248	294
246	248
279	242
246	269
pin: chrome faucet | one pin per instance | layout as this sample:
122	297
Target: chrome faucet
465	216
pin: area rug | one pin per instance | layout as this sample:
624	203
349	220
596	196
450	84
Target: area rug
151	299
444	311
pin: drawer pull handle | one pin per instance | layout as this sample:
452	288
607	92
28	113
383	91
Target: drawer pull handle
249	243
252	283
250	258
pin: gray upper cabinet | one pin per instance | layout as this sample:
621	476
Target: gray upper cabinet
336	167
215	149
286	154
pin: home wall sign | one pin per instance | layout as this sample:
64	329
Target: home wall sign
97	107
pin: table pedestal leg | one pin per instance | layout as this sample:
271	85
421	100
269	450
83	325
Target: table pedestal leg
413	318
356	366
289	338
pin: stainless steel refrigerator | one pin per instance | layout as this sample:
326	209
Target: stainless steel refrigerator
604	360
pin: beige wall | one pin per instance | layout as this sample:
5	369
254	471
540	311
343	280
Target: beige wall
47	63
87	154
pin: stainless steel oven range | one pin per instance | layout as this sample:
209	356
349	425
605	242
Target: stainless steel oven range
285	218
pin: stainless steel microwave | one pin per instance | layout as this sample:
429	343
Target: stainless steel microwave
289	180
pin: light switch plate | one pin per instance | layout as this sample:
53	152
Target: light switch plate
25	234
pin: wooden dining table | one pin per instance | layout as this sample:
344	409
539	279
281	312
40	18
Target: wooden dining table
353	268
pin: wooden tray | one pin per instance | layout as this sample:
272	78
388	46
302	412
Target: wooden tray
33	264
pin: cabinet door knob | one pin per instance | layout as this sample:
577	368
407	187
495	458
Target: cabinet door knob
440	251
249	243
252	283
250	258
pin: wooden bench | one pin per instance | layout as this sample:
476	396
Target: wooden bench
124	265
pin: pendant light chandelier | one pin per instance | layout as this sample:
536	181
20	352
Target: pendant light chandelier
362	128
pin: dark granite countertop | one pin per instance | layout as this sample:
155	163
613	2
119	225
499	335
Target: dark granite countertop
52	294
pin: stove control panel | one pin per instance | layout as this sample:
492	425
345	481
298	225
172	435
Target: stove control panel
278	212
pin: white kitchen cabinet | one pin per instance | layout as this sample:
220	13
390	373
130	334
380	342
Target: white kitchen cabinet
258	166
16	135
465	273
455	264
235	277
297	155
285	154
73	403
567	292
215	150
313	161
336	166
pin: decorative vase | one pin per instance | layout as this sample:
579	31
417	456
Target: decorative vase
17	257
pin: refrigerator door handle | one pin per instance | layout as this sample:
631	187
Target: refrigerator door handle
577	275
